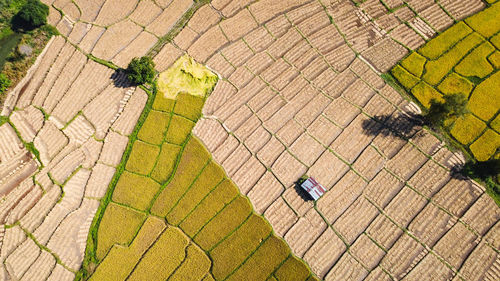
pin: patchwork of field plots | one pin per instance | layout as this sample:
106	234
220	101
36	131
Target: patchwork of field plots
464	59
211	232
74	115
116	30
301	94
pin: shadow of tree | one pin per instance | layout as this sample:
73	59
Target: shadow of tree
120	79
402	125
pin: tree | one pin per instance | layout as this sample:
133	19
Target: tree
454	105
141	70
4	83
32	15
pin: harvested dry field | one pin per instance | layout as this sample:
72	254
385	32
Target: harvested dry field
299	93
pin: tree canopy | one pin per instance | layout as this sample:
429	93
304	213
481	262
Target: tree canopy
32	15
141	70
454	105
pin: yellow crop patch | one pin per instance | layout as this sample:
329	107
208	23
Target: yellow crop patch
436	70
436	47
495	40
486	146
121	260
166	162
189	106
425	93
163	257
467	129
186	76
267	258
211	175
179	130
495	124
455	84
112	230
494	59
485	99
135	191
209	207
404	77
223	223
142	158
153	129
194	158
414	63
292	269
475	63
231	252
195	266
161	103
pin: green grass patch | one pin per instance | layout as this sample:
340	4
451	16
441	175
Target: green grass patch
404	77
424	93
209	207
486	146
223	223
121	260
485	99
194	158
179	129
486	22
292	269
113	230
467	129
166	162
436	70
163	257
414	63
186	76
475	63
266	259
142	158
135	191
189	106
153	129
455	84
233	251
437	46
211	175
195	266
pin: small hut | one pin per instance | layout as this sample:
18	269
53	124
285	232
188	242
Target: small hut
312	187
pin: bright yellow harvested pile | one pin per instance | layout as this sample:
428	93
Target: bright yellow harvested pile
186	76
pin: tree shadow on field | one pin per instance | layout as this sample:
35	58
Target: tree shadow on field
401	125
120	79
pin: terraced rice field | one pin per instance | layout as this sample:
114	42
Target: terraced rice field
211	232
464	59
299	92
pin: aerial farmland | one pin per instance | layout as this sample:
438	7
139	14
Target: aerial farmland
249	140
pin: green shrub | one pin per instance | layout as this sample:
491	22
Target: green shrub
482	170
4	83
32	15
141	70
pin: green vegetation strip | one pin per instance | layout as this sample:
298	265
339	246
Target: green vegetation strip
171	212
462	60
